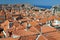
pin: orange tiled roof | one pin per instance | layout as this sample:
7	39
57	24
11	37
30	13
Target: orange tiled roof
23	33
38	27
33	29
53	36
57	18
5	25
48	29
9	38
45	29
51	17
43	20
32	37
42	38
1	34
33	23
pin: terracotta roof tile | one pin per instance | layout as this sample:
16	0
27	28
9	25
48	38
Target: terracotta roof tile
53	35
38	27
33	23
23	33
1	34
42	38
44	20
24	24
32	37
51	17
48	29
33	29
57	18
8	38
45	29
5	25
50	38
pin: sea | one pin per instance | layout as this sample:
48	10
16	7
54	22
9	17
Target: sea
43	6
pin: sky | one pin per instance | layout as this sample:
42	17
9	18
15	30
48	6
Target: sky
33	2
